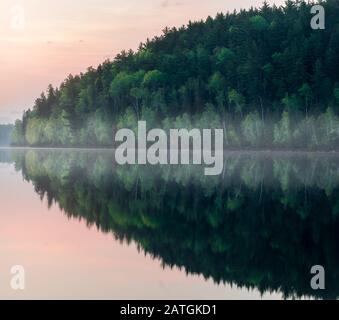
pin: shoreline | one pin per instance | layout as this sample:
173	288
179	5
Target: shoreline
233	150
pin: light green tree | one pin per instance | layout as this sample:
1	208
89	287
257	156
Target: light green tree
253	129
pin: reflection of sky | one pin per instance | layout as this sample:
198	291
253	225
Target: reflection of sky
64	259
62	37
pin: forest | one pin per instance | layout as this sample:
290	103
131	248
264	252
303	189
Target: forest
263	75
5	134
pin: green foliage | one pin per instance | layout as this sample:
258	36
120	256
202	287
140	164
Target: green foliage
328	128
253	129
259	23
217	82
154	79
283	131
128	120
35	131
305	135
336	94
266	61
237	99
17	136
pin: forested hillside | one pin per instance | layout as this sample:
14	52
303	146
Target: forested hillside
264	75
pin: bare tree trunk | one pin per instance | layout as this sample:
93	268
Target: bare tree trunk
262	109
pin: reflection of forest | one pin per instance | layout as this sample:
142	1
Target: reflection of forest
262	224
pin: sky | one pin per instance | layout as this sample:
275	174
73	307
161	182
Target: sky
43	41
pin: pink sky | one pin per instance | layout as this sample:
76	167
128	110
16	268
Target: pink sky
63	37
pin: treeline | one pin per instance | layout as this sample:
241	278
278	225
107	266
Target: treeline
5	134
259	72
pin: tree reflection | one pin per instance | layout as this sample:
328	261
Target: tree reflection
262	224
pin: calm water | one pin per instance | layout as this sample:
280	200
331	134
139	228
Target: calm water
85	228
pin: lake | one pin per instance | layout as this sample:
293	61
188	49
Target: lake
86	228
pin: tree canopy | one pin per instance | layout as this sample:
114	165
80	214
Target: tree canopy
264	61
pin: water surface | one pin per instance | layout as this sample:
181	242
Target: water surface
84	227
